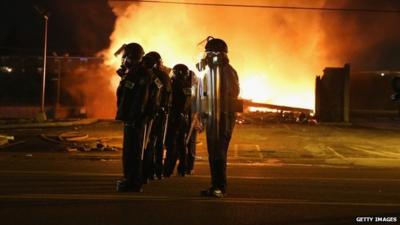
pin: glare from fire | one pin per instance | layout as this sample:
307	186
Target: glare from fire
276	53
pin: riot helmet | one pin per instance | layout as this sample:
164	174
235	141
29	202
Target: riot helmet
156	58
133	53
149	62
182	74
216	45
180	71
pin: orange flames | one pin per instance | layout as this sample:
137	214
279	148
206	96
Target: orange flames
277	53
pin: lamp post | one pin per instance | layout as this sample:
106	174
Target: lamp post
45	14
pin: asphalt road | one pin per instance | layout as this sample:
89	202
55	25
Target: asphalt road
282	181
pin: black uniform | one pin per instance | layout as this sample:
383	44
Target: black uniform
191	147
161	121
161	89
178	123
132	99
195	126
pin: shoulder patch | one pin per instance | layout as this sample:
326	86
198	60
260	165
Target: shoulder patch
187	91
129	84
158	83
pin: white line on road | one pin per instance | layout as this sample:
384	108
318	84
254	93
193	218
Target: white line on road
380	153
259	152
140	197
336	153
60	173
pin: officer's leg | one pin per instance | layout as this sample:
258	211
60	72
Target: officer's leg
152	158
171	156
127	152
148	172
131	159
191	152
182	151
159	148
227	125
159	153
212	150
137	170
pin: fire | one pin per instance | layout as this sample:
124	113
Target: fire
276	53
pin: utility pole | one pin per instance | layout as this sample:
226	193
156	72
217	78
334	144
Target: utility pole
45	14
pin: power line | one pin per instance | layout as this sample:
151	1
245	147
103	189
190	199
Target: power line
365	10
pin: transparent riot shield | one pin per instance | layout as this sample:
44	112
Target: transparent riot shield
209	96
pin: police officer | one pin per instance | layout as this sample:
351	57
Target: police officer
228	94
178	120
153	163
195	127
191	139
132	99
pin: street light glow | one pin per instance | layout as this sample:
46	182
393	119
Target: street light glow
6	69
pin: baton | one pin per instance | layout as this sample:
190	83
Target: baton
165	128
144	141
148	133
190	130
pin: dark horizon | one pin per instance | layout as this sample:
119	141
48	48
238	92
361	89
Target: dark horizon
83	28
75	27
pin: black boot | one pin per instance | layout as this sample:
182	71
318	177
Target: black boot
126	186
213	192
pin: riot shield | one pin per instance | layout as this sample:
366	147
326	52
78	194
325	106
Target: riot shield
209	91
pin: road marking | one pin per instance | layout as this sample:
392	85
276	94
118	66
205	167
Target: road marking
380	153
259	152
335	152
141	197
59	174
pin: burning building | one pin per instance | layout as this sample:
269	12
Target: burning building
275	53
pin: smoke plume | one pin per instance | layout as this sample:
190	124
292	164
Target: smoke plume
276	52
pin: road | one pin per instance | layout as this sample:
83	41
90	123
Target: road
274	177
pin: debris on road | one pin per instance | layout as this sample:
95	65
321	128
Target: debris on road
7	137
73	136
7	141
78	142
4	139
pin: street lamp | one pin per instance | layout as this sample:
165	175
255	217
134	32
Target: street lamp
45	14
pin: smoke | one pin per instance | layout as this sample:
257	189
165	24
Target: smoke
89	86
277	53
369	41
83	27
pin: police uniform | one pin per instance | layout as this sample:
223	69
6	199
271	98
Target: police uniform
195	126
223	86
161	121
229	92
151	110
132	100
178	121
161	95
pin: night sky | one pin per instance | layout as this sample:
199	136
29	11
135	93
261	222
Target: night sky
77	28
83	28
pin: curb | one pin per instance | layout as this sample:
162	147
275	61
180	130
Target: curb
50	124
